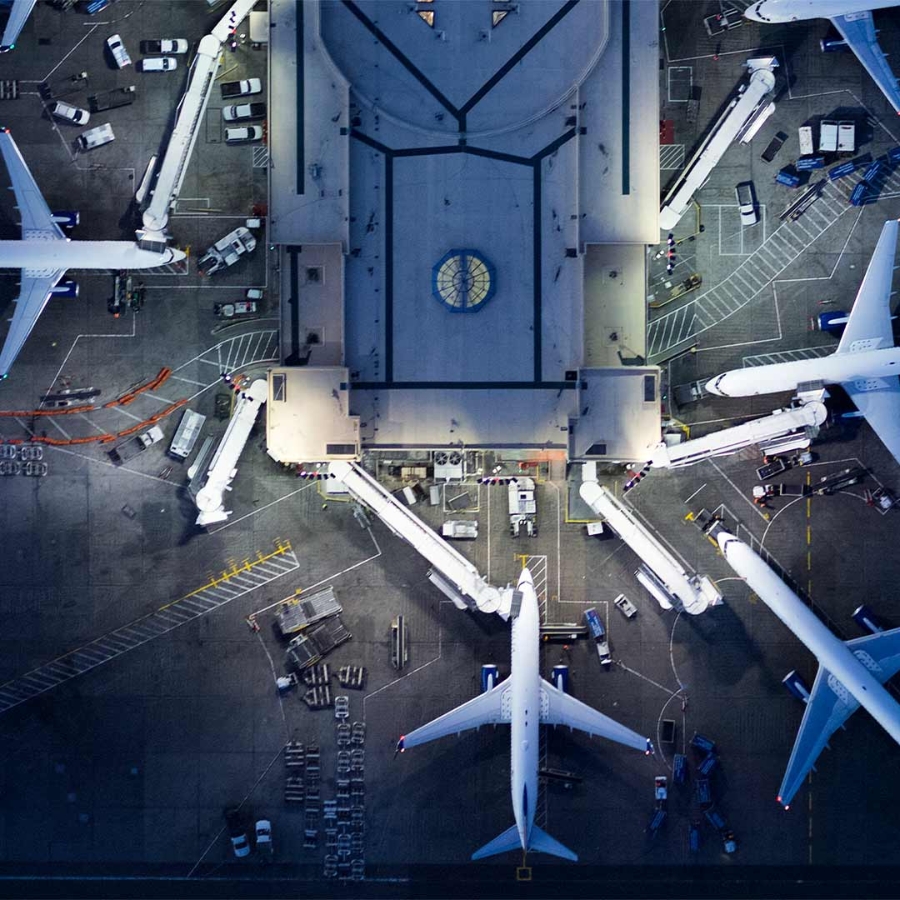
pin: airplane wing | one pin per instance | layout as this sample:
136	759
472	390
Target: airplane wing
37	220
33	296
882	648
559	708
490	708
858	30
829	706
869	325
18	16
878	399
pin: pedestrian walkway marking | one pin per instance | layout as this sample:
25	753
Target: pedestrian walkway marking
236	581
238	352
677	331
671	156
767	359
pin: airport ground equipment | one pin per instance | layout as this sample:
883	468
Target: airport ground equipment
352	677
746	111
186	434
625	606
784	429
522	507
189	115
598	633
672	587
451	572
111	99
308	647
210	498
399	642
851	673
135	445
227	251
300	611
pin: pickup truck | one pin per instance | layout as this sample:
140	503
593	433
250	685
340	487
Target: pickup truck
227	251
135	445
242	112
166	45
111	99
241	88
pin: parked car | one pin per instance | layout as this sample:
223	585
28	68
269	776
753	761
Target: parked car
242	135
746	203
95	137
241	88
240	843
264	838
74	114
159	64
239	112
164	45
117	48
31	452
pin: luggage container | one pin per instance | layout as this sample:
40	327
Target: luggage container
787	178
810	162
846	138
828	137
807	146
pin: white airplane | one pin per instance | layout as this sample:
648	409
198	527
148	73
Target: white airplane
851	674
866	363
18	16
525	701
44	253
852	18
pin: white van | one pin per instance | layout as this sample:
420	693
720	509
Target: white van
159	64
95	137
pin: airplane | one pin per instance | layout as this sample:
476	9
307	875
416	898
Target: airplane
851	673
853	19
44	254
866	363
18	16
525	701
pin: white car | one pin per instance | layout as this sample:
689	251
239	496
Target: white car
117	48
165	45
74	114
264	837
241	111
159	64
746	203
240	843
242	135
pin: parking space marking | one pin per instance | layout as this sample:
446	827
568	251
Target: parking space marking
169	617
684	82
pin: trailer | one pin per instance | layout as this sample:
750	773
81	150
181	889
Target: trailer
310	646
134	445
297	613
227	251
112	99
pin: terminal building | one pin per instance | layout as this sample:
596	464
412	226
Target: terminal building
462	246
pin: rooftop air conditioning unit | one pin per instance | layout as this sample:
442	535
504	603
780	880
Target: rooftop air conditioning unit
448	465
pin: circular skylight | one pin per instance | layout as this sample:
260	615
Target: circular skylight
463	281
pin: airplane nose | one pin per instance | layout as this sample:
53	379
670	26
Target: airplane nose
723	538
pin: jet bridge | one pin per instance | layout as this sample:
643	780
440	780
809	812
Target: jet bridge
783	430
190	112
667	580
223	468
452	573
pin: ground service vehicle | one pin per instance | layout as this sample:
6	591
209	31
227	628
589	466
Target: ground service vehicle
186	434
625	606
598	633
159	64
296	613
165	45
828	137
111	99
846	138
95	137
806	140
135	445
243	135
460	530
117	48
227	251
235	310
522	507
746	203
241	88
243	111
68	113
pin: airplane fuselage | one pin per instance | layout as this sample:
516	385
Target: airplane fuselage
839	368
54	255
771	11
525	682
830	651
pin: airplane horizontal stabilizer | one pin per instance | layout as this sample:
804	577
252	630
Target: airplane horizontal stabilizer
503	843
541	842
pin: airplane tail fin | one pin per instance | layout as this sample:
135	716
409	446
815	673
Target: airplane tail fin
541	842
509	840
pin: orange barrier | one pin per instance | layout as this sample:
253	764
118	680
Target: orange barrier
131	395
